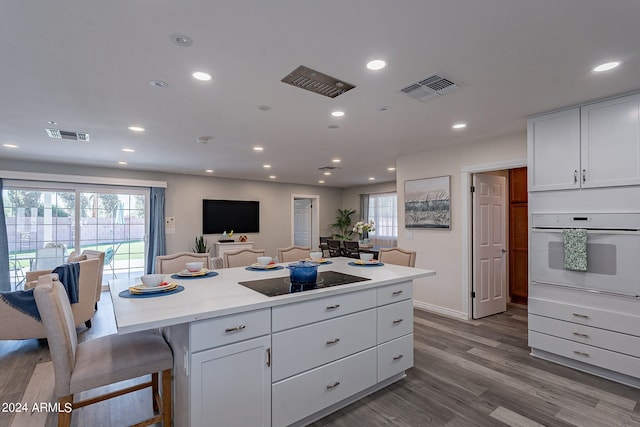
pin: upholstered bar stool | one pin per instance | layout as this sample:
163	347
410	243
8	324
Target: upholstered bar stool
293	253
242	257
397	256
175	263
102	361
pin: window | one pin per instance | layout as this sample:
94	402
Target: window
46	222
383	211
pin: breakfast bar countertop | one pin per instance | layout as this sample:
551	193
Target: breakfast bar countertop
222	295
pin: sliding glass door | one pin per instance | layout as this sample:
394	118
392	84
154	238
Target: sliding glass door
45	224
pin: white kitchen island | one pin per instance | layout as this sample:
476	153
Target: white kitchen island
245	359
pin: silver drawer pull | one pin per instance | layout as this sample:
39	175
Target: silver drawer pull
398	357
334	385
397	292
333	341
581	353
582	316
235	328
578	334
395	322
333	307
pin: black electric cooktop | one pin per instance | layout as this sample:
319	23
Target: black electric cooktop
275	286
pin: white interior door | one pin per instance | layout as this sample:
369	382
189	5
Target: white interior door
302	220
489	245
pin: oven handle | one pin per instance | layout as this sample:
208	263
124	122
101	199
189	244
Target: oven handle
589	231
588	290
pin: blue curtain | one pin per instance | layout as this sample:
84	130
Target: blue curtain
5	284
156	228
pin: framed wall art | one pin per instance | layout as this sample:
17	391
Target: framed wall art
427	203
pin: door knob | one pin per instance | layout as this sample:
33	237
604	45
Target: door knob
503	251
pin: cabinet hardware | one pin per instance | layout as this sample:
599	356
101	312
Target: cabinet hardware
395	322
575	176
397	292
581	353
582	316
333	307
269	357
398	357
334	385
578	334
584	175
235	328
333	341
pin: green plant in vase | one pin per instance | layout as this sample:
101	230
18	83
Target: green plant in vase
201	246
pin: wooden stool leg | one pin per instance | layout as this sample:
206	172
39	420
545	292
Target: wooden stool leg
166	398
64	417
154	390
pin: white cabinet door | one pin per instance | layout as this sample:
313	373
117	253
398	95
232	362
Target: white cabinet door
554	151
231	385
610	154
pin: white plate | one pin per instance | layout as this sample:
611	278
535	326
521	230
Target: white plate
142	289
187	273
263	267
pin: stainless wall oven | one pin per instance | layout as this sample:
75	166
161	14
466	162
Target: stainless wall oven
613	252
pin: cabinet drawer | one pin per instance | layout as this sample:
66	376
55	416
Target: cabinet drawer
229	329
395	292
621	343
610	320
298	397
307	347
395	320
304	313
586	354
395	356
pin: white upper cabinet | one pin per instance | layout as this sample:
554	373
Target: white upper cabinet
554	151
596	145
610	153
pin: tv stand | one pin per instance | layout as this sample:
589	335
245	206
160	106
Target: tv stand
221	247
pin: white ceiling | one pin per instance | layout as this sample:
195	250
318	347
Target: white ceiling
87	66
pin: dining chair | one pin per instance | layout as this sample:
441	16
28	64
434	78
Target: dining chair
102	361
397	256
293	253
175	263
351	249
335	247
49	257
242	257
323	245
100	255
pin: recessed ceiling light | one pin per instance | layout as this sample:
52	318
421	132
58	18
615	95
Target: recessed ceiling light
136	128
199	75
128	150
335	160
376	64
181	40
51	122
258	148
607	66
333	126
391	169
209	171
204	140
327	173
321	181
264	107
384	108
158	83
371	178
337	113
266	166
122	163
459	126
10	145
272	176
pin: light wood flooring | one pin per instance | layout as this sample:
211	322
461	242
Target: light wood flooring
475	373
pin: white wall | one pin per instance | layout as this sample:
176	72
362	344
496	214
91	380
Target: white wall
184	196
441	250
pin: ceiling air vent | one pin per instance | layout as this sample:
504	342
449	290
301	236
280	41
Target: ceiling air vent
63	134
315	81
430	87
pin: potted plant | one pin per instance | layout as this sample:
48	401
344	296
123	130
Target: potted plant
201	246
343	224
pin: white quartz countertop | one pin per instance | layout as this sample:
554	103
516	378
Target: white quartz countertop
221	295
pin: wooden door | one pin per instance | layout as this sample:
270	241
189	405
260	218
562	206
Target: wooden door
518	236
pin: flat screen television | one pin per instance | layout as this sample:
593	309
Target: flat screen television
241	216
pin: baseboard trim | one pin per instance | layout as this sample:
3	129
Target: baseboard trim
440	310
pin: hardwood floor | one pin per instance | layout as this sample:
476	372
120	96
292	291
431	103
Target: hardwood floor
473	373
